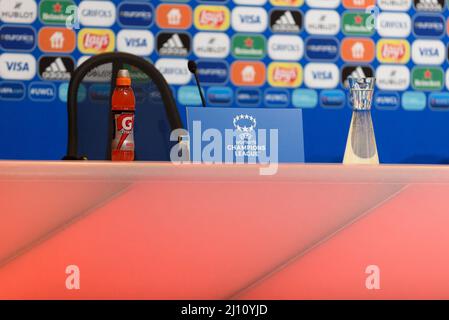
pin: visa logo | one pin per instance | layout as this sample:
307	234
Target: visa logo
136	42
322	75
429	52
17	66
250	19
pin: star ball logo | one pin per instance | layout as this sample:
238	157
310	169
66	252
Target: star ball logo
250	142
246	142
245	125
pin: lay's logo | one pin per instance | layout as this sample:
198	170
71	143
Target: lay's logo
95	41
215	18
393	51
286	75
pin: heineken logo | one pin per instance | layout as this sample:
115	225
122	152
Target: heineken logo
358	23
427	78
55	11
249	46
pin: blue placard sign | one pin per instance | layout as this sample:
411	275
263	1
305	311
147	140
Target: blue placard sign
249	135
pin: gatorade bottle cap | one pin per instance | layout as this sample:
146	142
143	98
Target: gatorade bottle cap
123	78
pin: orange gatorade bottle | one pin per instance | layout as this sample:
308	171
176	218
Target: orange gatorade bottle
123	111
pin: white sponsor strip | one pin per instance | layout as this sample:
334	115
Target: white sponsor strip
394	5
322	22
392	77
397	25
23	11
97	13
285	47
211	45
175	71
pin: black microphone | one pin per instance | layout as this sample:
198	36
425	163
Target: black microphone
193	69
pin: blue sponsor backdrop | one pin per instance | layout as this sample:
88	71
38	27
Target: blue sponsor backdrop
411	126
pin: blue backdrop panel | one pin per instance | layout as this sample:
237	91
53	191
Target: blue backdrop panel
410	122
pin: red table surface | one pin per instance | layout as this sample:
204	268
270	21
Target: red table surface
161	231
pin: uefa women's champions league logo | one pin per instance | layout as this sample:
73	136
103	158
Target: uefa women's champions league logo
234	138
250	142
245	126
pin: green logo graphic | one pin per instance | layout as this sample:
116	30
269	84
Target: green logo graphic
358	24
249	46
427	78
55	11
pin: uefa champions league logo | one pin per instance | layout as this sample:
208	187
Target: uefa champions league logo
246	134
245	126
240	140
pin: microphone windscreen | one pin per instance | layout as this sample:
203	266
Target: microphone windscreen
192	66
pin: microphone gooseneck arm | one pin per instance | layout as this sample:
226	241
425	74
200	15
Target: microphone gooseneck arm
194	70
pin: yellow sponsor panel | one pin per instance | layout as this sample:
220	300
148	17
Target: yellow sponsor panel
393	51
285	75
287	3
95	41
216	18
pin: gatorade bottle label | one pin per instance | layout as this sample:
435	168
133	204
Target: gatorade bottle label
124	132
123	105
